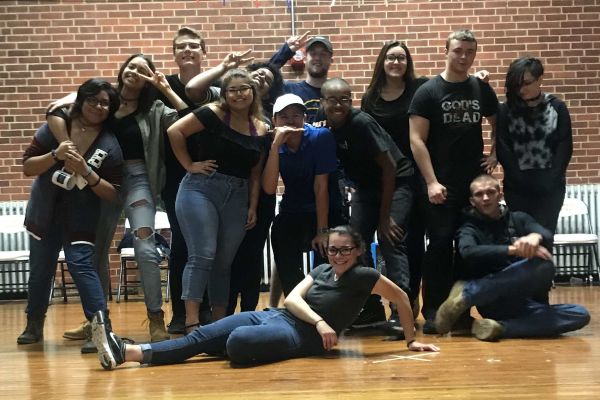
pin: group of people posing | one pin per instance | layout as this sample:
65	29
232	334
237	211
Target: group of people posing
211	145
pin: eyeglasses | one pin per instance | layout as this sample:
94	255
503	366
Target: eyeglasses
345	251
393	57
334	101
95	102
240	90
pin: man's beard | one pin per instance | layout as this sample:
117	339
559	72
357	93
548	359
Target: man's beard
318	74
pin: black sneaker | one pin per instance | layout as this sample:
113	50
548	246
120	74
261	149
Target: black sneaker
372	314
111	349
177	325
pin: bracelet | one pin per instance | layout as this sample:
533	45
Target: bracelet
89	172
322	230
316	322
97	182
410	342
53	152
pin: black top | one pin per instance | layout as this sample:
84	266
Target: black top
235	153
535	147
483	242
358	142
339	301
393	115
129	136
455	111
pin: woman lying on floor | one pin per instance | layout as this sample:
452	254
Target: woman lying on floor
316	312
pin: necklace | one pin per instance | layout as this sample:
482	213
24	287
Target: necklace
83	126
125	100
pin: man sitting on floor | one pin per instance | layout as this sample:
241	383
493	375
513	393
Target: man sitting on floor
505	260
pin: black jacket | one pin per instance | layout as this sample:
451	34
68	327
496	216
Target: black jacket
482	242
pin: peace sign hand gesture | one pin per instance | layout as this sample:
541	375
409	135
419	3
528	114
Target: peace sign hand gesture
298	41
234	60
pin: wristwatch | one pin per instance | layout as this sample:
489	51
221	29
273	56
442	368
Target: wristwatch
323	230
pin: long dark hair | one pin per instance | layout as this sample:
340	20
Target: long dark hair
378	80
514	80
146	97
356	240
91	88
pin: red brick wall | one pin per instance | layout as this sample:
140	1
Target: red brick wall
47	48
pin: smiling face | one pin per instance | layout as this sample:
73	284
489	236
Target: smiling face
338	244
263	77
187	51
395	63
238	94
129	76
95	109
460	55
337	103
318	61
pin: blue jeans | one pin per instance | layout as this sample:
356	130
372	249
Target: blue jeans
212	211
43	255
140	210
365	218
251	337
505	296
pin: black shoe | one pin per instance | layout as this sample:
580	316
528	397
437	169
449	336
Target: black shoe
34	332
89	347
429	327
177	325
111	349
372	315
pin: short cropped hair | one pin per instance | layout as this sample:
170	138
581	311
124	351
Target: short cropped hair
463	35
484	178
191	32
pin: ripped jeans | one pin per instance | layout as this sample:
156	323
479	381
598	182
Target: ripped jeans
140	210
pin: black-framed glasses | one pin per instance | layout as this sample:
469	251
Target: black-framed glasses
345	251
94	102
334	101
240	90
395	57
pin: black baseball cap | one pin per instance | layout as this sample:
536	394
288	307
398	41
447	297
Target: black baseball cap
320	39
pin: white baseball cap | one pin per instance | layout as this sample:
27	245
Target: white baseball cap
287	100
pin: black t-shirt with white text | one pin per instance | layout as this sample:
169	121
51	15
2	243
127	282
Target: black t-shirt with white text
455	111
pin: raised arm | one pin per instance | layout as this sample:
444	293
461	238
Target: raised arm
196	88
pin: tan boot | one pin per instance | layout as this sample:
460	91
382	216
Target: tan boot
157	329
82	332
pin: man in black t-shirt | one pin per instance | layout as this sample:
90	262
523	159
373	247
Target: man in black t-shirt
380	172
446	117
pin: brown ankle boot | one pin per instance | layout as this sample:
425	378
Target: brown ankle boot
157	329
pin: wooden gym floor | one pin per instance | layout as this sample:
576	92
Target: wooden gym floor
363	367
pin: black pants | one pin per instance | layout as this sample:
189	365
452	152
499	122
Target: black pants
248	263
442	221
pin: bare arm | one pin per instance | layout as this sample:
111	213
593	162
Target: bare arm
386	288
101	187
178	132
197	86
419	132
37	165
491	161
254	193
296	304
321	189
